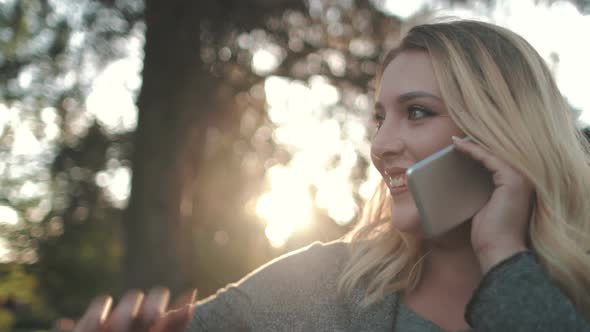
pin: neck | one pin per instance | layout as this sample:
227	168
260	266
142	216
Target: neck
450	274
451	261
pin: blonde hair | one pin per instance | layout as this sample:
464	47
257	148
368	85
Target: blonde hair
500	92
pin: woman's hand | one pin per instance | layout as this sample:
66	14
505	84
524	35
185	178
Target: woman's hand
500	228
138	313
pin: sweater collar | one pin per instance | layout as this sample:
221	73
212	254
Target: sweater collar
375	317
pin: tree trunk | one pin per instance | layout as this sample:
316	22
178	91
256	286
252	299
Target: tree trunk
176	100
167	145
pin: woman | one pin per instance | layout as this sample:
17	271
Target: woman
520	264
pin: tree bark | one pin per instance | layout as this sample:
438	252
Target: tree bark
178	96
167	145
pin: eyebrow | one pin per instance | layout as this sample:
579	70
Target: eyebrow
416	94
409	96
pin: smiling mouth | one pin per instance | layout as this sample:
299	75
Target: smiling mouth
397	183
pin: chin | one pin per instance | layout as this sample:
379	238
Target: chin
405	218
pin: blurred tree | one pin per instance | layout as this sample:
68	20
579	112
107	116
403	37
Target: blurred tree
52	150
81	245
173	105
180	95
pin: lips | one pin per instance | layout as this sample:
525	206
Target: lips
396	180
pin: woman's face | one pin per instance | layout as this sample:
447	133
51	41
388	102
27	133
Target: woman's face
412	124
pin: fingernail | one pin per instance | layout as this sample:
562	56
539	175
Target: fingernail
156	303
164	294
455	139
193	297
104	304
137	303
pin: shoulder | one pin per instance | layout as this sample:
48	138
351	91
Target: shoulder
297	277
323	256
292	291
309	273
307	269
300	272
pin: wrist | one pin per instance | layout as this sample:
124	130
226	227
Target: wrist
488	257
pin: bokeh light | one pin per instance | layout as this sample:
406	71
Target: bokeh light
315	139
266	58
8	215
286	207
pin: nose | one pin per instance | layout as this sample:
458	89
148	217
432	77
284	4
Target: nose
386	145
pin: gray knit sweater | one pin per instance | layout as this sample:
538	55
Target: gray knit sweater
297	292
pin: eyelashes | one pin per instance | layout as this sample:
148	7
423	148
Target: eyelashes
417	112
413	113
378	119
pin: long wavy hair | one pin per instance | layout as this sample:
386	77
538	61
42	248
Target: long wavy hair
500	92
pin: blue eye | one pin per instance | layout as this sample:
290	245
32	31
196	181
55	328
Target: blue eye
416	112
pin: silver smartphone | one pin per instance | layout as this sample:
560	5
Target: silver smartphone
448	187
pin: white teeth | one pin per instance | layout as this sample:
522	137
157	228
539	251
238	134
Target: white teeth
397	181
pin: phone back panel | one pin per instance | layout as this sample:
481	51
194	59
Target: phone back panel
449	188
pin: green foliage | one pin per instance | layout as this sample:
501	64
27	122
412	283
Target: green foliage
20	303
79	265
83	258
6	320
67	238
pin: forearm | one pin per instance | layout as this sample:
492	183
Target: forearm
517	295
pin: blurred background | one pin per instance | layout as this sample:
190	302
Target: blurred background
184	143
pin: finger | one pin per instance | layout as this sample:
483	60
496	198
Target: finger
154	306
188	297
94	318
125	313
174	321
478	153
64	325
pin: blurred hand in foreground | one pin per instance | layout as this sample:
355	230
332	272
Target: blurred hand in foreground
135	312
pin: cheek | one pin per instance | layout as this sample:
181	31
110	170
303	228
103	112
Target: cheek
433	139
378	164
374	160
